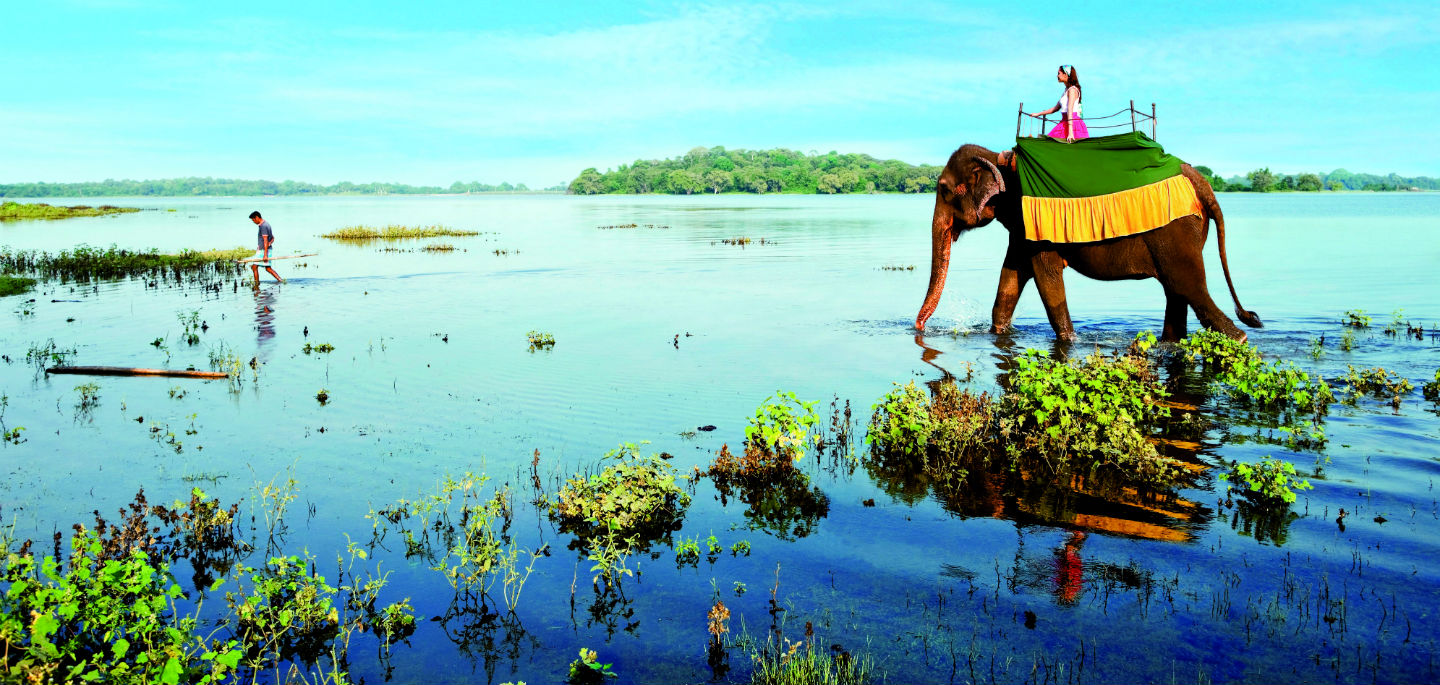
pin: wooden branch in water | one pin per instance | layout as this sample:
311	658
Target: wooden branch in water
127	371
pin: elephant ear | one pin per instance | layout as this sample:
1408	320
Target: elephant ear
987	191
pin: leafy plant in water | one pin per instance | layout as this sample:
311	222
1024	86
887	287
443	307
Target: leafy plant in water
89	396
587	670
783	425
1240	368
111	620
540	341
322	348
190	321
323	396
1431	389
1377	382
1269	482
687	552
1356	318
288	612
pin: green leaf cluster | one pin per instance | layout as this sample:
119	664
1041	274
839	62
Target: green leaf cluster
95	620
1270	482
1272	385
783	426
587	670
1431	389
637	498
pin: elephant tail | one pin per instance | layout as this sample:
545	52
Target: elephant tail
1212	208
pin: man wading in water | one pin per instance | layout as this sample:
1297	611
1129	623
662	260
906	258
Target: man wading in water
266	238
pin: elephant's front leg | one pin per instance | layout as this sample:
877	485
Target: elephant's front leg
1014	274
1048	268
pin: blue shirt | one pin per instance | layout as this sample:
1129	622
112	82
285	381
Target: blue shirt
265	231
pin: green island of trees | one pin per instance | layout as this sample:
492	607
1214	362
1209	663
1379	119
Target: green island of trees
15	211
1266	181
195	186
717	170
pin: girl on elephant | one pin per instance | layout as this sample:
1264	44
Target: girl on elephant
1071	127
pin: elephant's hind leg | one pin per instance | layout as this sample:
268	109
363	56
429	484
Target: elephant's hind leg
1180	268
1177	317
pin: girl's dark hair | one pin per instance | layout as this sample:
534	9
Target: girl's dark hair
1072	80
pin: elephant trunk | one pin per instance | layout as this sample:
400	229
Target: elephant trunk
941	241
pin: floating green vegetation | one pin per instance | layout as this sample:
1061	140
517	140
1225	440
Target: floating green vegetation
394	232
15	285
630	503
322	348
1238	365
898	267
15	211
1347	341
89	396
540	340
1431	389
1378	382
587	670
192	325
439	247
85	262
11	436
1084	425
1356	318
323	396
1270	482
662	226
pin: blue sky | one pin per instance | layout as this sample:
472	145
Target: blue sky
533	92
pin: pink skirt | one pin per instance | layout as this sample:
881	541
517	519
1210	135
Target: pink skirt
1077	126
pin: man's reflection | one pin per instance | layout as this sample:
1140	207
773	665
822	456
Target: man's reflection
264	322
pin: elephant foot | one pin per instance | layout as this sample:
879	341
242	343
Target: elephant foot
1000	328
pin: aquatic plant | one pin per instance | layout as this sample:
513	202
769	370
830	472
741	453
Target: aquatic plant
741	547
15	211
11	436
439	247
1269	482
289	611
1247	376
687	552
48	354
89	396
782	662
587	670
1347	341
322	348
1397	324
635	498
1317	347
1378	382
1356	318
190	321
323	396
85	262
15	285
1431	389
94	619
898	267
540	341
777	495
394	232
783	426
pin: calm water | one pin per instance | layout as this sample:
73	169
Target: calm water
431	375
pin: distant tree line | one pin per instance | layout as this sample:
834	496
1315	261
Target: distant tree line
717	170
1266	181
195	186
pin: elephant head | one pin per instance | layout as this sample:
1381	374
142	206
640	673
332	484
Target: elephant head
965	198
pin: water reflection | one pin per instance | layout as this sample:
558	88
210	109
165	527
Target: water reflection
264	321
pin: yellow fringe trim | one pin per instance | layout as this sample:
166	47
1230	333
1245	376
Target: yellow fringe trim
1088	219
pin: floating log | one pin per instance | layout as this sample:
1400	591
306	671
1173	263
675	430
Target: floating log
247	260
127	371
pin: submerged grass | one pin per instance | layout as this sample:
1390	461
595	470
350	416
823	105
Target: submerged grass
394	232
86	262
15	211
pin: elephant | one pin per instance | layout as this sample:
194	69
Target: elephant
975	189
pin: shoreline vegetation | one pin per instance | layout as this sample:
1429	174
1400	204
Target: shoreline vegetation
15	211
84	263
194	186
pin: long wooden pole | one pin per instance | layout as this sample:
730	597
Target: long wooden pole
127	371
